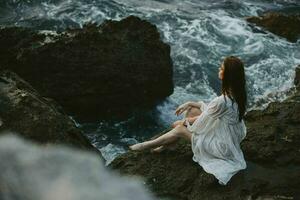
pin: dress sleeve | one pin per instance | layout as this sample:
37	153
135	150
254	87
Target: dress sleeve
203	105
214	110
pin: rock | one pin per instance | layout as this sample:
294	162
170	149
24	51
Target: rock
287	26
93	72
273	134
28	114
271	149
297	77
32	172
14	41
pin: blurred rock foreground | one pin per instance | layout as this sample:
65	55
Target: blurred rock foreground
31	172
96	71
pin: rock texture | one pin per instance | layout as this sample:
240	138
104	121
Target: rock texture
287	26
93	72
271	149
28	114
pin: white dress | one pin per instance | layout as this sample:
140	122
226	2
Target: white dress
216	138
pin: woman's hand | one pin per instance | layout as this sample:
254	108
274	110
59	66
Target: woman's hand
182	108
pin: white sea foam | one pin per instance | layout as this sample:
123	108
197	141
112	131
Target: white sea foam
110	152
200	38
194	91
219	34
201	34
252	9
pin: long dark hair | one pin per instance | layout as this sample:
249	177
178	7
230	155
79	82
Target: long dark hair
234	83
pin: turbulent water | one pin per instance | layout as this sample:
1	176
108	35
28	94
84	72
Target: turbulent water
200	32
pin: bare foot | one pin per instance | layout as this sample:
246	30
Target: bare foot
158	149
137	147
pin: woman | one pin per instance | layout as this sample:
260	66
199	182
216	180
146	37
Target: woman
215	130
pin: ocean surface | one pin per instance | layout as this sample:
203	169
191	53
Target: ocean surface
200	32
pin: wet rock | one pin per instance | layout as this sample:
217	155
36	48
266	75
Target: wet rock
24	112
271	149
297	77
93	72
287	26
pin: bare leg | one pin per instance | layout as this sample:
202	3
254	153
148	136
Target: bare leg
192	113
173	135
170	146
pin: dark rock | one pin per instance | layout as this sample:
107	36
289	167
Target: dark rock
14	41
26	113
271	149
98	71
273	134
297	77
287	26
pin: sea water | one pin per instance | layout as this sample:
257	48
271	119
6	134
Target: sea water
200	32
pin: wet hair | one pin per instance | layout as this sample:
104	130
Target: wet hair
234	83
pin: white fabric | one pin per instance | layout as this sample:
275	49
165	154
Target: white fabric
216	138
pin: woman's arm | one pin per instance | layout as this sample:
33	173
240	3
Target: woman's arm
187	105
189	119
214	110
192	119
195	104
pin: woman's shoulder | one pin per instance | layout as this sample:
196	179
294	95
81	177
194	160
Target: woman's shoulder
218	101
223	100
